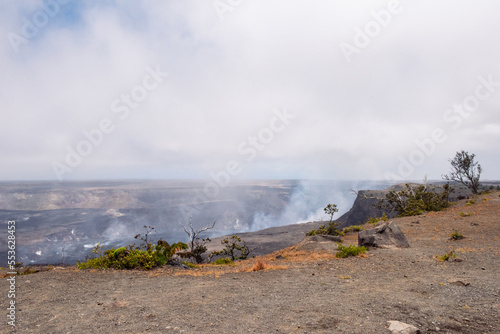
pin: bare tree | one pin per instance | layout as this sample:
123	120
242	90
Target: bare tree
196	246
465	171
193	233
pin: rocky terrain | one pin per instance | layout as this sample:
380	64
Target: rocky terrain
296	292
61	222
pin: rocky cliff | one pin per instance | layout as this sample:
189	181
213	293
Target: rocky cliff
362	208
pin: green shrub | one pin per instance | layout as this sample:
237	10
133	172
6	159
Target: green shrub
146	256
223	260
375	220
190	264
470	202
463	214
414	200
456	235
447	256
351	250
352	228
332	229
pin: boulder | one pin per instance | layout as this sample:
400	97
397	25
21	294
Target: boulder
397	327
387	235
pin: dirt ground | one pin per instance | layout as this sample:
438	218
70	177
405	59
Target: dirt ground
299	292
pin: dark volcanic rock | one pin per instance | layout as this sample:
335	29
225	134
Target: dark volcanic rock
363	208
387	235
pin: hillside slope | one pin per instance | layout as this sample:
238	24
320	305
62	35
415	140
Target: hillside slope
300	293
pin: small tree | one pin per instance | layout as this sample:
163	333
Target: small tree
465	170
196	245
332	228
232	247
146	240
330	210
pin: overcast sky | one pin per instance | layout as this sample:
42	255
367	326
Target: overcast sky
260	89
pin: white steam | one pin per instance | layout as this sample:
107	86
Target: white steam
308	201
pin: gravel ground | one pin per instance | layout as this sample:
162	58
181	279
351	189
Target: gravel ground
311	295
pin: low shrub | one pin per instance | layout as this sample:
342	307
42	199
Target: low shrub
447	256
353	228
375	220
190	264
259	265
415	200
351	250
470	202
463	214
223	260
132	258
456	235
332	229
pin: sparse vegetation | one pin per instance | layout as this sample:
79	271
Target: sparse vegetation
463	214
223	260
259	265
375	220
145	256
32	270
333	227
351	250
234	247
465	171
456	235
446	257
196	244
470	202
352	228
415	200
190	264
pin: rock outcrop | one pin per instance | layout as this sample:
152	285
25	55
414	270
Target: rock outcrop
397	327
315	243
387	235
363	208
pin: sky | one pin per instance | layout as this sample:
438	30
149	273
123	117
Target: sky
238	89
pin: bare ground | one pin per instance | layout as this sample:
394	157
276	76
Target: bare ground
299	292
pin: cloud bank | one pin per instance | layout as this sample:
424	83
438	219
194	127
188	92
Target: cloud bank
231	65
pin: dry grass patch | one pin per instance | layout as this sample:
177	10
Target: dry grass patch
279	260
209	269
259	265
292	255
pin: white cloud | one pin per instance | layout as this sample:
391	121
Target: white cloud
352	121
